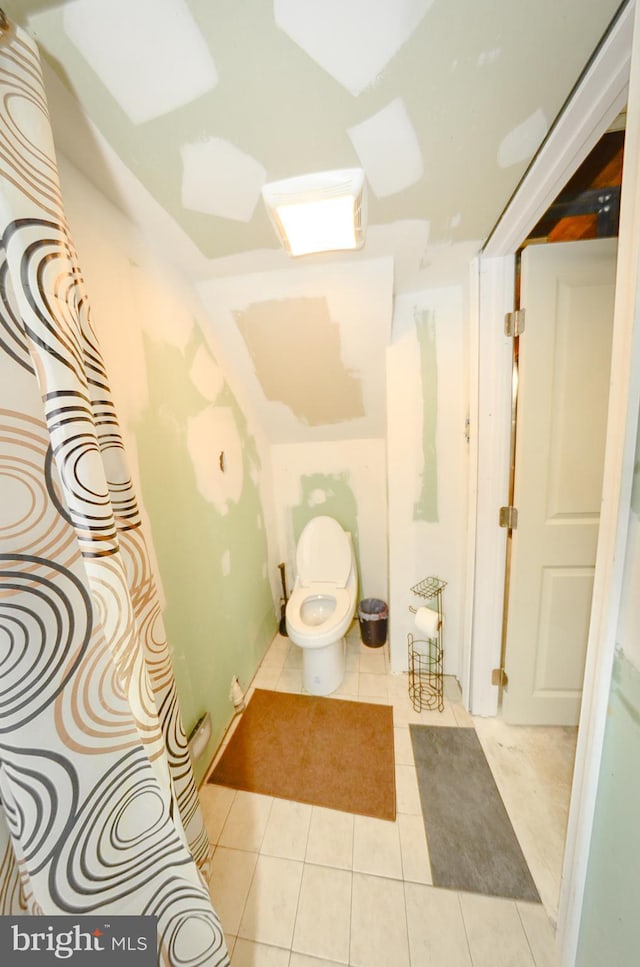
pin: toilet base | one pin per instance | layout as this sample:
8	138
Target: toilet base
323	668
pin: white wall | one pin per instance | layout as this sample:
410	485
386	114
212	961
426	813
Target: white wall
421	548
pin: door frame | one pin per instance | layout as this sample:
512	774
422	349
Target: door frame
601	94
577	267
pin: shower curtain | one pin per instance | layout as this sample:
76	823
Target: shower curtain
98	807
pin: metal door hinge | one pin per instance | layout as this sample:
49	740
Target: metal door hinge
514	323
499	677
508	517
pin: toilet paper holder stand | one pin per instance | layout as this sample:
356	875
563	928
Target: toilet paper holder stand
426	655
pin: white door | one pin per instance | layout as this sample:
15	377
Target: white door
567	291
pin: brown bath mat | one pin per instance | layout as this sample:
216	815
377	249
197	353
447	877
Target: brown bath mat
323	751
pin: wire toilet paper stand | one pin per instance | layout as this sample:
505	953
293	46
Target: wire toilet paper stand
426	655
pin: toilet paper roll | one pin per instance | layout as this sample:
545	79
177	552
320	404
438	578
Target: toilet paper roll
427	621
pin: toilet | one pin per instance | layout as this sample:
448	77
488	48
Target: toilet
323	602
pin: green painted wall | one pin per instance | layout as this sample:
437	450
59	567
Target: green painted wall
610	930
328	495
426	507
218	625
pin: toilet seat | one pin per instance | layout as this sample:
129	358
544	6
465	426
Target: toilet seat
319	635
324	553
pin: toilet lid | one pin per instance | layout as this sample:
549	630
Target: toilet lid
323	553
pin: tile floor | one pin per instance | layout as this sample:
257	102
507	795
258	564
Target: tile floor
301	886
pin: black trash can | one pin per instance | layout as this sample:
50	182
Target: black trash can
373	615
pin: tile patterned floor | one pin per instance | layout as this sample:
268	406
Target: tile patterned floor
301	886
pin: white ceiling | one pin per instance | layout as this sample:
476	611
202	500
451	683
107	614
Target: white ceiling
442	102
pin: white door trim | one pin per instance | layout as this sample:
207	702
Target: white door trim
472	500
493	388
594	104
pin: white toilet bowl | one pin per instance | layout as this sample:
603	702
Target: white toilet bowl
323	603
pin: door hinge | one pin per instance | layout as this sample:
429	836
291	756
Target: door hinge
514	323
508	517
499	677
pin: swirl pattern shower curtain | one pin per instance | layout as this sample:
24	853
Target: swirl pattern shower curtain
98	806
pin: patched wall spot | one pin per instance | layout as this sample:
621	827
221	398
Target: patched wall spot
317	498
132	48
296	353
220	179
522	143
388	148
353	42
225	563
488	56
210	433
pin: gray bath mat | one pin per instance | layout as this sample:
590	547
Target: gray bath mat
472	845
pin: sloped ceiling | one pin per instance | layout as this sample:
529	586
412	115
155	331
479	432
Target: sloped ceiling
442	102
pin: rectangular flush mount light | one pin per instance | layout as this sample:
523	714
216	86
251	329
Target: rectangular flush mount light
324	212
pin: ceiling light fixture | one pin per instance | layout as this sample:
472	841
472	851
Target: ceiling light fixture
323	212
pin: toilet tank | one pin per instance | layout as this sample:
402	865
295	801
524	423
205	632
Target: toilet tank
324	553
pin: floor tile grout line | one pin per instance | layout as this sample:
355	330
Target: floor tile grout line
350	911
406	923
466	931
246	900
526	935
295	918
